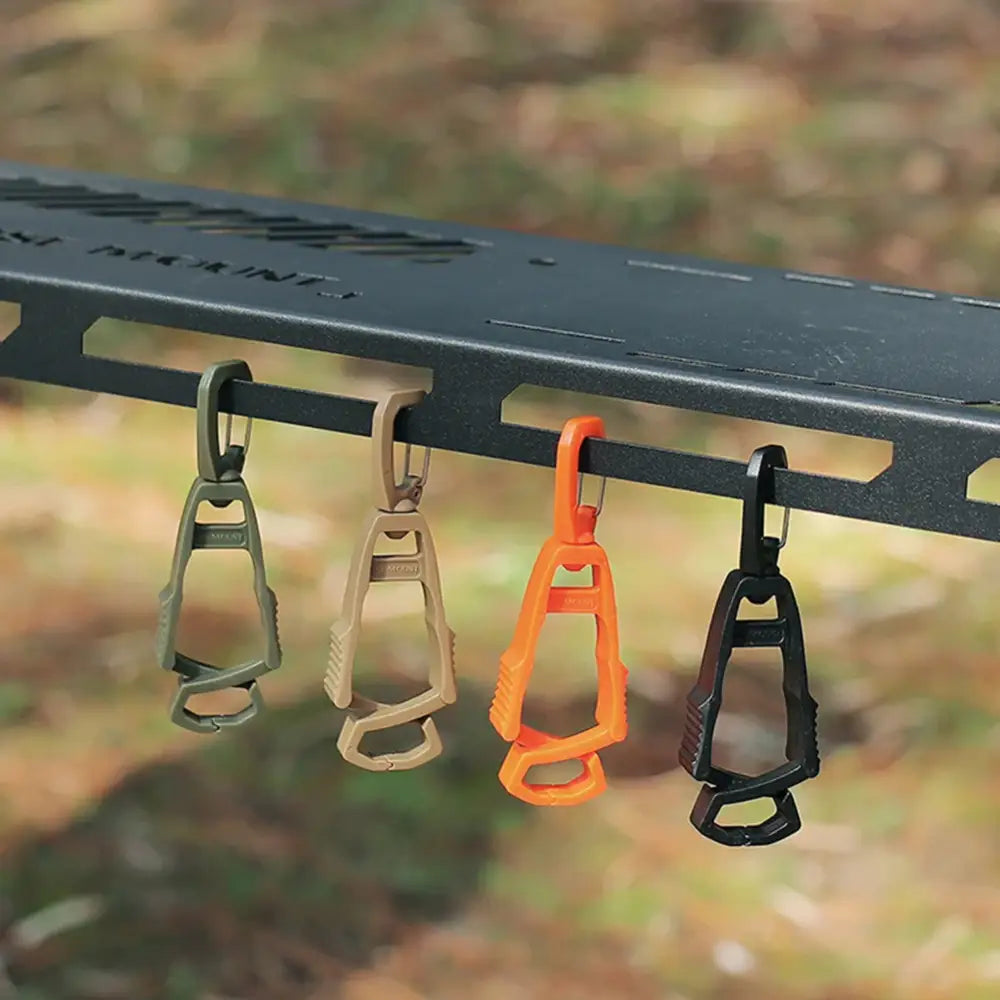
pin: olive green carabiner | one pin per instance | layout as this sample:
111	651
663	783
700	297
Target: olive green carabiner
219	482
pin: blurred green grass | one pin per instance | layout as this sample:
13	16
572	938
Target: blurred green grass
850	138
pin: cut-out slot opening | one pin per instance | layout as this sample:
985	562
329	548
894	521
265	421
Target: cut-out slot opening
561	773
387	546
10	318
983	485
277	364
393	651
228	701
208	513
397	739
768	611
752	722
746	813
219	583
821	452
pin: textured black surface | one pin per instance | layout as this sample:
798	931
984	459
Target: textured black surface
489	310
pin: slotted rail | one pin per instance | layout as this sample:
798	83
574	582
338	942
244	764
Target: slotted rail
488	311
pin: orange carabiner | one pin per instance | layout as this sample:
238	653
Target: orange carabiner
571	545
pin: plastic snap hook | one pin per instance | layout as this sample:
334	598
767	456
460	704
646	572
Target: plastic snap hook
571	545
197	677
395	516
727	632
213	464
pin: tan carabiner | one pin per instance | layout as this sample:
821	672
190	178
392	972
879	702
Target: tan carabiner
395	515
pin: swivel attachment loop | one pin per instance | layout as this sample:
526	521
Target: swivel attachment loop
395	515
757	580
571	545
220	483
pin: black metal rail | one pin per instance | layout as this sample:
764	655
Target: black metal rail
488	311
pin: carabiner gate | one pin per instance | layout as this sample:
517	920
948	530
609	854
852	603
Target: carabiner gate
395	515
220	483
757	580
571	545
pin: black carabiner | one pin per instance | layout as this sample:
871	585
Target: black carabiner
757	580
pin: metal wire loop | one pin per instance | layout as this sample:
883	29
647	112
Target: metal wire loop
600	496
229	435
421	480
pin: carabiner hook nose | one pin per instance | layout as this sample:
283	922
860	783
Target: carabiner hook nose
759	552
574	522
392	492
215	465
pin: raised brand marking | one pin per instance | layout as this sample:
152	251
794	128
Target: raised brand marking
299	279
566	600
209	535
394	570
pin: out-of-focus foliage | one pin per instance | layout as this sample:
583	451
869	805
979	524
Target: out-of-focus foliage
847	136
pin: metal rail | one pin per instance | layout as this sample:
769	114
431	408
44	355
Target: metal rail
488	311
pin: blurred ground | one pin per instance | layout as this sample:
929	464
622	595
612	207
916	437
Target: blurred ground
140	861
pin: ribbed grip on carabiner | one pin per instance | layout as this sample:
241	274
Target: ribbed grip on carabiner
505	709
695	741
